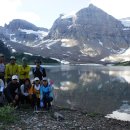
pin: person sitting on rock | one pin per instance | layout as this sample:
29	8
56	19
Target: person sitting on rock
25	91
12	91
46	95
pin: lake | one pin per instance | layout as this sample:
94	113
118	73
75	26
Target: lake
92	88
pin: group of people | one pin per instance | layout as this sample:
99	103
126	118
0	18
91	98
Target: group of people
17	88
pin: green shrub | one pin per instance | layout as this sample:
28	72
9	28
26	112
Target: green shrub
7	114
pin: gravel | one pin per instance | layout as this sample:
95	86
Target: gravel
63	119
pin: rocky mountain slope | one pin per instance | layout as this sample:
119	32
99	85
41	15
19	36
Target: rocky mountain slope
21	31
19	55
90	35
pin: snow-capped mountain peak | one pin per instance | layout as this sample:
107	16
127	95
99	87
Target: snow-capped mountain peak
24	32
125	21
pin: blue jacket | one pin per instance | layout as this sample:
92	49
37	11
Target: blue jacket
46	91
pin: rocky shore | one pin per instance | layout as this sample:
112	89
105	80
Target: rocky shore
62	119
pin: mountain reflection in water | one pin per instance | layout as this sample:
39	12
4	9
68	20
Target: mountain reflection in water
92	88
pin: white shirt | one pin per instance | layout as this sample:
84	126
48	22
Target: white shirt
1	85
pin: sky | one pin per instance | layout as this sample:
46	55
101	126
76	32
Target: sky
43	13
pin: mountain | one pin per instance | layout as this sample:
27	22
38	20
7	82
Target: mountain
17	24
4	50
21	31
90	35
125	21
31	58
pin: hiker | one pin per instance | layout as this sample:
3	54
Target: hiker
11	69
24	70
2	68
25	91
35	93
46	95
12	91
1	92
38	71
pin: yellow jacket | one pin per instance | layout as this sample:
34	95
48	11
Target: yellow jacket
24	72
11	70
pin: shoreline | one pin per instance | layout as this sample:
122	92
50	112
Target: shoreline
63	119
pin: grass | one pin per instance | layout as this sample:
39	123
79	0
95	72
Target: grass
7	114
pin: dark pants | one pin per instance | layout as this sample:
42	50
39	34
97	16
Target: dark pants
35	101
25	99
47	102
1	99
7	96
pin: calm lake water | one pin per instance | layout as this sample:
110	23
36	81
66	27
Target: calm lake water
92	88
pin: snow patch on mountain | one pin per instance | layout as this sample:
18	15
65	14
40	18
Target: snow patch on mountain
88	51
70	15
41	34
61	61
50	43
39	44
13	38
125	29
28	53
100	43
124	55
65	62
55	59
13	50
69	43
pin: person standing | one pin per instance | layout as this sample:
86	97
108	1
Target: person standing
39	71
24	70
2	68
11	69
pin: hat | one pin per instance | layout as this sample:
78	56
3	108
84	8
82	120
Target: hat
12	58
14	77
44	78
36	78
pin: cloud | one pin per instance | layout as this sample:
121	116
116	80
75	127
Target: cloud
117	8
9	10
